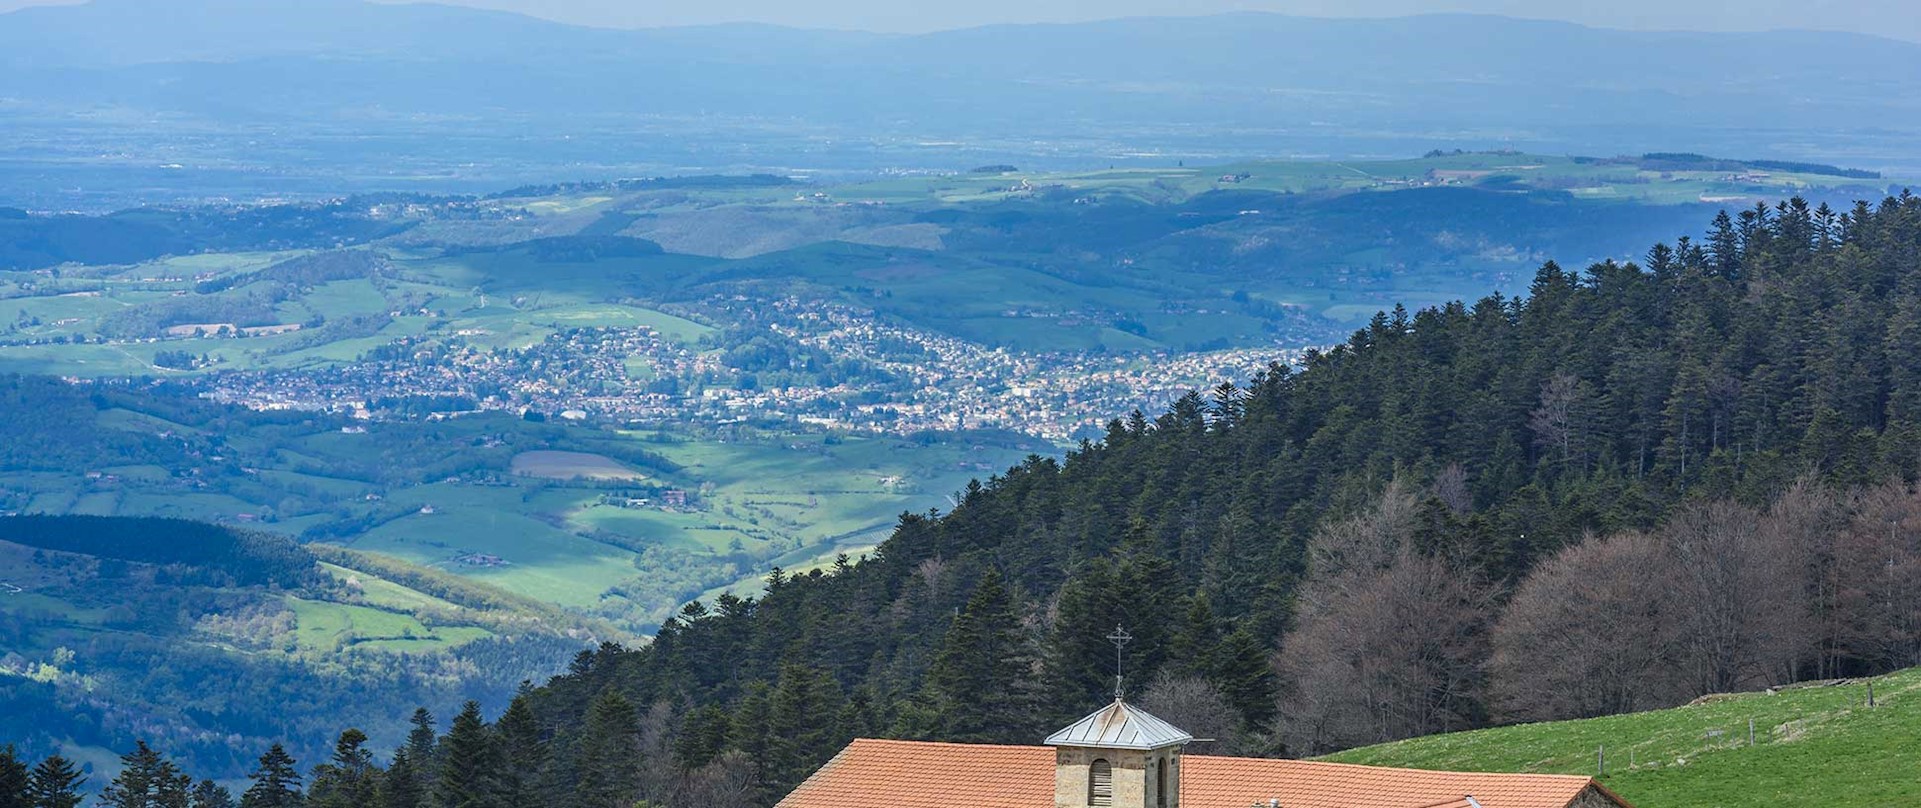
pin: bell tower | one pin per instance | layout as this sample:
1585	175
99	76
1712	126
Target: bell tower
1119	756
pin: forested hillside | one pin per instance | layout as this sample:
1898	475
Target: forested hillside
1400	518
210	642
1637	485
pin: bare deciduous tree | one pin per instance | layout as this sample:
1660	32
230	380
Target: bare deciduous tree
1803	524
1559	420
1369	540
1196	705
1877	581
656	770
1382	654
1450	487
726	782
1586	634
1739	597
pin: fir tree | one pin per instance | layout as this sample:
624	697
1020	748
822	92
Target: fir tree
703	736
276	782
605	757
801	727
1244	674
421	740
55	783
1191	647
982	680
147	780
526	751
348	779
209	794
400	788
423	752
470	763
13	780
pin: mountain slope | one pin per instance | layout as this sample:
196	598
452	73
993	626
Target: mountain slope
1504	433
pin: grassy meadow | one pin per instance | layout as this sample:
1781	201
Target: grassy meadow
1814	744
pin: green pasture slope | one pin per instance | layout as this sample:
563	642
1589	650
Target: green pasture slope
1815	744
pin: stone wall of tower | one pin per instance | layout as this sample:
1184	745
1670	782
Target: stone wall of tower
1136	776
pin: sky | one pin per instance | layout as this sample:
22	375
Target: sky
1893	18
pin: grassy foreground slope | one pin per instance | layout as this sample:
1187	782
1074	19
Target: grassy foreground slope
1813	744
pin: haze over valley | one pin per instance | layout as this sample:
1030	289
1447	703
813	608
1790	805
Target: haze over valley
680	409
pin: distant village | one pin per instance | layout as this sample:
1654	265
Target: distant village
636	376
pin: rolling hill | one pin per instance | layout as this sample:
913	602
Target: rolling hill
113	626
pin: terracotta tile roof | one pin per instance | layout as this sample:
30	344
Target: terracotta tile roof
1464	802
1220	782
913	774
916	774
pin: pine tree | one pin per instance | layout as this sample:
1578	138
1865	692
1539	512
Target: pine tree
176	790
147	780
421	746
604	765
401	787
423	752
1190	649
209	794
703	737
801	725
1243	673
981	681
526	751
276	782
349	779
13	779
471	763
55	783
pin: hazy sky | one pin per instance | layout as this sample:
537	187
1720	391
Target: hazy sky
1897	18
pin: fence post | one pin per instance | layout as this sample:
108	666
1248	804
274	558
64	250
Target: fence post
1750	730
1601	760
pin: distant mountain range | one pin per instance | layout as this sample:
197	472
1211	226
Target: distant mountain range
1236	85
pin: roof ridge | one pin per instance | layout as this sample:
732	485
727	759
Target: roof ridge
1540	775
909	742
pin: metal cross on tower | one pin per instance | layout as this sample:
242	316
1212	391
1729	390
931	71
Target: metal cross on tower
1120	638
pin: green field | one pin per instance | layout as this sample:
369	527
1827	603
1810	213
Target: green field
814	497
325	628
572	465
1814	744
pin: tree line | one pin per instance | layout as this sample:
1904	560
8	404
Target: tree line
474	764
